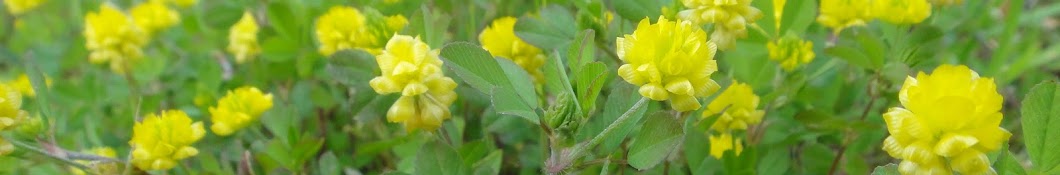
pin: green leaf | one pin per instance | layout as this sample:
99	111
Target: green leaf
851	55
889	169
489	165
556	81
439	158
776	161
553	29
635	10
590	80
622	97
520	82
509	86
798	16
659	137
581	51
1007	164
329	164
1041	126
872	46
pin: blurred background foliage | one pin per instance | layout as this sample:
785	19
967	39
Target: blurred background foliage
328	121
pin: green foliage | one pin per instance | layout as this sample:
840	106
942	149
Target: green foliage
824	117
1040	119
660	136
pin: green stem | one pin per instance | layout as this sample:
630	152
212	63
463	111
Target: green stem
25	146
622	120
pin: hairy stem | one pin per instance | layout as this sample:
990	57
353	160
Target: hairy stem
583	148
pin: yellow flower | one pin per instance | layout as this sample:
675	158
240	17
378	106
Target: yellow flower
410	67
237	109
950	120
901	11
500	40
841	14
730	18
243	38
112	37
184	3
98	167
724	142
669	60
946	2
153	16
347	28
10	107
790	51
18	7
738	106
160	141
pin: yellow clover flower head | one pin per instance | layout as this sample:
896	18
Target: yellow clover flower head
243	39
10	108
98	167
669	60
112	37
344	28
237	109
500	40
730	18
790	51
724	142
153	16
738	108
948	121
842	14
18	7
901	11
410	67
160	141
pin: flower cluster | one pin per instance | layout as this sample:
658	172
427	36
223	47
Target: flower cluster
500	40
237	109
736	108
11	114
160	141
730	18
243	38
113	37
348	28
901	11
669	60
948	121
842	14
790	51
153	16
410	67
18	7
